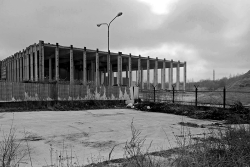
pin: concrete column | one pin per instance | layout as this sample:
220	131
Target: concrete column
41	60
136	76
97	83
185	76
121	78
142	83
24	65
21	67
14	68
163	75
57	62
84	67
111	75
118	76
148	73
130	70
139	72
50	69
31	64
28	64
18	67
11	72
127	83
6	68
9	69
178	76
156	73
92	71
35	62
171	74
16	71
71	65
109	83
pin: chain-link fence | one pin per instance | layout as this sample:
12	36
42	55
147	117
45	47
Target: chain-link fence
222	98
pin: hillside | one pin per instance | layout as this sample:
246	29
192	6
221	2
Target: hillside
239	83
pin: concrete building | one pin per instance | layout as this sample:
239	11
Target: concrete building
52	62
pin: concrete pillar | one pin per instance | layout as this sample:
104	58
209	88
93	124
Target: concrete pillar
127	83
111	75
11	71
35	63
6	68
142	83
118	76
41	60
24	65
9	67
121	78
109	69
92	71
50	69
84	66
31	64
178	76
130	70
171	74
163	75
97	80
185	76
71	76
18	67
57	62
156	73
27	64
136	76
14	68
148	73
139	72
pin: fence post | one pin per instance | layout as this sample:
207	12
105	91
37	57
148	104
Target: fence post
173	86
154	94
196	95
224	97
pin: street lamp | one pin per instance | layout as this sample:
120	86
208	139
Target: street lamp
98	25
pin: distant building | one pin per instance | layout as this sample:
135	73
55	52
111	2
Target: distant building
51	62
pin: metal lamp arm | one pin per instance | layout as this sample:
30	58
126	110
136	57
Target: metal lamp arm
111	21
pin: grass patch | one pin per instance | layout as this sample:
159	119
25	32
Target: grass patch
236	114
189	124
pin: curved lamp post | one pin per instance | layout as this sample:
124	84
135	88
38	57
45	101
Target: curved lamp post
98	25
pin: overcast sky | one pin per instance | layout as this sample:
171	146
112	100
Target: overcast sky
207	34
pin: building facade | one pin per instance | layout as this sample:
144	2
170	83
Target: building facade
52	62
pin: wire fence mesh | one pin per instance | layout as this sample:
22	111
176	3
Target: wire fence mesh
205	98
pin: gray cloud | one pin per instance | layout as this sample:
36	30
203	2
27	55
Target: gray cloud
206	33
